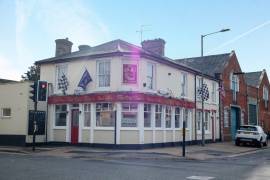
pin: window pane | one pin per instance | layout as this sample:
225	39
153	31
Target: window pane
158	116
105	117
6	112
60	119
147	115
168	117
87	119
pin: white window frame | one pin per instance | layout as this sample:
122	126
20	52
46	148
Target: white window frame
207	119
226	118
199	121
2	112
103	110
180	117
99	74
147	111
265	93
184	84
87	110
54	124
153	81
161	116
168	114
130	110
64	67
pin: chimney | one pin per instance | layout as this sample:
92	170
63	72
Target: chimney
156	46
63	46
83	47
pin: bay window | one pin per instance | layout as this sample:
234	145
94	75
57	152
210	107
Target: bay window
147	115
158	115
129	115
168	119
105	116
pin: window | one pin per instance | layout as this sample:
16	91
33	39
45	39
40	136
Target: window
226	117
6	112
186	116
104	73
234	85
105	116
178	117
265	96
199	120
87	115
214	92
61	69
147	115
60	115
168	116
199	86
206	121
150	75
158	115
129	115
184	84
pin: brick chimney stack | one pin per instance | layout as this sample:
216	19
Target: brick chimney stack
63	46
156	46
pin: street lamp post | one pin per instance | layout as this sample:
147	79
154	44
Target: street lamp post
203	125
202	36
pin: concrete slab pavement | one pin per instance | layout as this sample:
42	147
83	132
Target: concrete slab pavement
194	152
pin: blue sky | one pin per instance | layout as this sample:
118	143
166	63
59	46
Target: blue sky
29	28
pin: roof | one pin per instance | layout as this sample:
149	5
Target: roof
253	78
3	81
115	46
209	65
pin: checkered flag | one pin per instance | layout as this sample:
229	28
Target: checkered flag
63	83
203	92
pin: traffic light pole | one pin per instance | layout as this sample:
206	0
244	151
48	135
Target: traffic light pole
34	126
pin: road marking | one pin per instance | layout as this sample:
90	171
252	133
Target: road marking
200	177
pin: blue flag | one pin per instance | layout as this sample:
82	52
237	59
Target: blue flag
86	78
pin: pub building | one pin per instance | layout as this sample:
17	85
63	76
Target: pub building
121	94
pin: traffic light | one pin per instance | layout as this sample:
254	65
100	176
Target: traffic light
33	92
42	90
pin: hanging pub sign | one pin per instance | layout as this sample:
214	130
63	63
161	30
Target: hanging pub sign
130	73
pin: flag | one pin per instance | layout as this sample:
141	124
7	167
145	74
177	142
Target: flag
203	92
63	83
86	78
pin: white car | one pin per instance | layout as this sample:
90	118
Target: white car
252	135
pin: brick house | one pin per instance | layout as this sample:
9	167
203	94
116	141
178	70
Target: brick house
233	105
258	99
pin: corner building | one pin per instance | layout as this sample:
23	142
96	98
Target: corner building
145	93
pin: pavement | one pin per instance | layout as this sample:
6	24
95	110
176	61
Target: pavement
217	150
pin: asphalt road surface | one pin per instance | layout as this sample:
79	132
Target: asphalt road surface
27	167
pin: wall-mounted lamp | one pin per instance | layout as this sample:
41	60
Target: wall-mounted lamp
169	74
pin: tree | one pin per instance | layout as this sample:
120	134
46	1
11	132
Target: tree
33	74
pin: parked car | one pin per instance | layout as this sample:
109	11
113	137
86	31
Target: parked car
249	134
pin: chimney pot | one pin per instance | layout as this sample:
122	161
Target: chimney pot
156	46
63	46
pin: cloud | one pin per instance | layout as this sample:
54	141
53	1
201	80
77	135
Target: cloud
7	70
72	19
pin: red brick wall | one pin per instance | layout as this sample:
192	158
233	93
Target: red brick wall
264	113
241	102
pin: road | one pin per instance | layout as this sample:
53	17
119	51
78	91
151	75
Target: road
28	167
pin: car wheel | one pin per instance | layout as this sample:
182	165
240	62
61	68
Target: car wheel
265	143
237	142
260	144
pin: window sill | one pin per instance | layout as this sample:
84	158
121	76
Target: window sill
104	128
6	117
148	128
59	127
129	128
86	128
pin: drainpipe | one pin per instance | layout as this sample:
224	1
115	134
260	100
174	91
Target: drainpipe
258	109
219	105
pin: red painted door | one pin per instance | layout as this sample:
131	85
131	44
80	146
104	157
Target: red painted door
74	126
